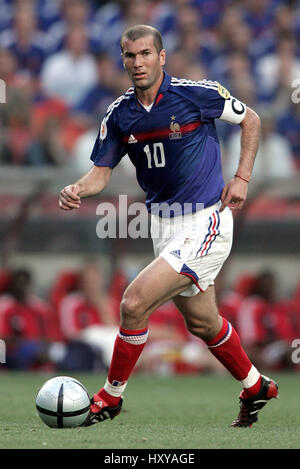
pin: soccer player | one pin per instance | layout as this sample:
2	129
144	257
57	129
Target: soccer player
166	126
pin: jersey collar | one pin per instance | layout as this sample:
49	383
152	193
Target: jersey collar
163	88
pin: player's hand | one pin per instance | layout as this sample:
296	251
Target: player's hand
69	198
234	194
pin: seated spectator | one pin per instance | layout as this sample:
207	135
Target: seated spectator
289	309
25	41
264	331
276	71
15	116
171	349
191	39
231	300
27	323
69	74
46	148
88	316
259	15
93	105
73	13
234	50
288	125
274	158
65	283
115	17
90	305
16	136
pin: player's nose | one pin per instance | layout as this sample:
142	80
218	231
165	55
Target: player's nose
138	61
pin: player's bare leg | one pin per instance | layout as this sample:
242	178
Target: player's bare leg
202	320
155	285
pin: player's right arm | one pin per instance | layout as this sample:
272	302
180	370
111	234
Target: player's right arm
107	152
90	184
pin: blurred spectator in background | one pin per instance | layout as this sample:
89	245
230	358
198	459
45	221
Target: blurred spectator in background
259	15
69	74
237	77
191	39
276	72
27	323
89	306
265	331
234	42
171	349
231	300
66	282
15	135
89	112
176	62
288	125
24	39
115	17
290	308
88	319
274	159
46	147
94	103
73	13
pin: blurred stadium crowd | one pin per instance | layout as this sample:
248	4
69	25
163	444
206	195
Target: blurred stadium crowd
74	328
61	65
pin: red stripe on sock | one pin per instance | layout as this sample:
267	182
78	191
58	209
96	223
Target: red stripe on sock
220	334
135	332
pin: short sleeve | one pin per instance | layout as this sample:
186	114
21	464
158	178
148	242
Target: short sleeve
215	102
212	100
108	148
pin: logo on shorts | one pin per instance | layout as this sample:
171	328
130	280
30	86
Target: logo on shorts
176	253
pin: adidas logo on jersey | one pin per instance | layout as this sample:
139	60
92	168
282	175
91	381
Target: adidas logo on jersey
132	139
176	253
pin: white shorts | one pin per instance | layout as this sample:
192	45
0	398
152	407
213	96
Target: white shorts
195	245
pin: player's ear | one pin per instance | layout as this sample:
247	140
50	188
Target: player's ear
162	57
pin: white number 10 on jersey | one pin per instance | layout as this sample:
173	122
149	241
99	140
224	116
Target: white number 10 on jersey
158	155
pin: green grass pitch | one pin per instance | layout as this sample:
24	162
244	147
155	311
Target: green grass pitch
181	412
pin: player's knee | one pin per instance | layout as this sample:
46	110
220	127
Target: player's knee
132	309
205	330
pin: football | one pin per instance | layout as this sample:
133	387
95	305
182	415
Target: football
63	402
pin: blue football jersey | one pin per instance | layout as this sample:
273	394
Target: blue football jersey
174	147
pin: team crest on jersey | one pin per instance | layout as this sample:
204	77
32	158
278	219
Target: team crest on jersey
103	130
223	92
175	129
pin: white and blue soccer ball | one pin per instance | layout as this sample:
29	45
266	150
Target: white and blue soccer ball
63	402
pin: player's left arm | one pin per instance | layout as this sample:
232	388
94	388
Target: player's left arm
235	192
